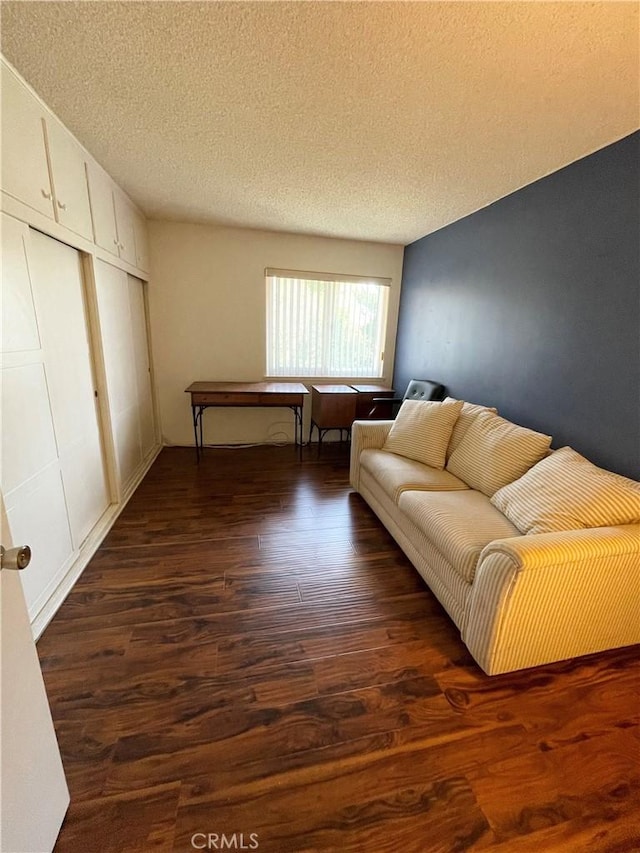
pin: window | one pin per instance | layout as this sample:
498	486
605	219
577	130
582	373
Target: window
325	325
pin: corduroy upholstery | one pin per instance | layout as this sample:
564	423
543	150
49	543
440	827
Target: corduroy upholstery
518	600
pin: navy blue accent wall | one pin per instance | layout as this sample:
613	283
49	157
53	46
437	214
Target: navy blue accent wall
533	305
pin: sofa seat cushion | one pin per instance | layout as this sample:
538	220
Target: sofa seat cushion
396	474
459	524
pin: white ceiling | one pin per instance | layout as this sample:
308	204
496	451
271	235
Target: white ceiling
378	121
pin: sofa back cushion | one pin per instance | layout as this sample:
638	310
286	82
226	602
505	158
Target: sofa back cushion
567	492
465	419
422	430
494	452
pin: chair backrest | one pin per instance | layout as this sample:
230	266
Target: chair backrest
386	408
424	389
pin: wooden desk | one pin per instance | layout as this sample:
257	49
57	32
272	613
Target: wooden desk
366	395
332	407
205	395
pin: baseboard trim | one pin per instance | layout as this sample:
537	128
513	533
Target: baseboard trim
88	549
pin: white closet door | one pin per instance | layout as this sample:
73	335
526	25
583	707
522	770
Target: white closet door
114	309
143	365
31	473
60	307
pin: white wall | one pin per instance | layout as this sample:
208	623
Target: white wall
207	307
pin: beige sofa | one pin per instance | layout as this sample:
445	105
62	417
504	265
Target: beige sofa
519	600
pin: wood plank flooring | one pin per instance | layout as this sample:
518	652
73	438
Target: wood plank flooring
249	659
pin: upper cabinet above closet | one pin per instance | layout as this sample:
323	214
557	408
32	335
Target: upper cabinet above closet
105	232
55	186
25	174
45	168
69	180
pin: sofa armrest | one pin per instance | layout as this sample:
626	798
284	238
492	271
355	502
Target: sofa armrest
552	596
365	435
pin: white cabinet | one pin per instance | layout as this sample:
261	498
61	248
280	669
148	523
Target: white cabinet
44	167
69	180
141	241
105	232
125	217
57	188
25	174
117	226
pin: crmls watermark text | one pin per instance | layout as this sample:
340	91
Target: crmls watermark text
220	841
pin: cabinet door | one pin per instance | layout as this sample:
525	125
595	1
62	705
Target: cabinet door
125	222
103	214
25	174
69	181
142	248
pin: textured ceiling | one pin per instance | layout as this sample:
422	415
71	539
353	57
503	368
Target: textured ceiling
378	121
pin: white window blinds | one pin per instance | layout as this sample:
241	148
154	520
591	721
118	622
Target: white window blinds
325	325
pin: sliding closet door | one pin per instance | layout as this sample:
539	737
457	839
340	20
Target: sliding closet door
143	366
52	475
31	476
126	360
60	306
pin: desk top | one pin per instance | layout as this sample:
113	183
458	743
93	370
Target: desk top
246	388
333	389
373	389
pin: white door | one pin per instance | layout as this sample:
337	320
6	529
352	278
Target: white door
31	473
143	365
33	788
53	475
56	274
123	327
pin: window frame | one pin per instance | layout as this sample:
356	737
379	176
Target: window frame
338	278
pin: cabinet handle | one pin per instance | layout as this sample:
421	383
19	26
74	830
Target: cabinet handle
45	193
115	241
121	246
62	206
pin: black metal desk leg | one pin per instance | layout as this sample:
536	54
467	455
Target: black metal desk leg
197	412
297	412
194	416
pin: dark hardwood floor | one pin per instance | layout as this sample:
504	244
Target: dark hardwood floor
249	654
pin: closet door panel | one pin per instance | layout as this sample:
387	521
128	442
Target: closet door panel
112	289
19	324
37	515
128	443
59	296
143	366
28	439
31	476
